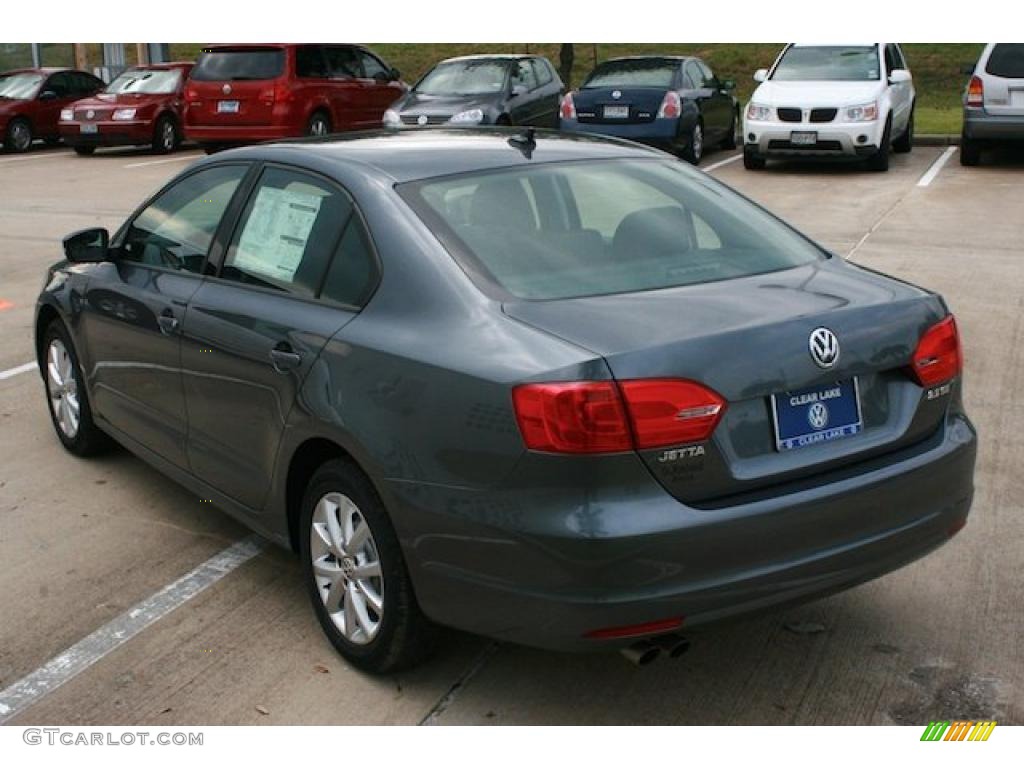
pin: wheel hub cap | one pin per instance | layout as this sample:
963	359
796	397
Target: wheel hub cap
60	382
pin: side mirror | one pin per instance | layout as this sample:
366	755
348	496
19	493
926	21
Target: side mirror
761	75
87	245
899	76
728	85
517	91
967	69
47	95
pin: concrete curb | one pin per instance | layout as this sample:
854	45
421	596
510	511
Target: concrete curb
936	140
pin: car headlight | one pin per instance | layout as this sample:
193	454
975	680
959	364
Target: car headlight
391	117
861	113
760	112
124	114
469	117
67	115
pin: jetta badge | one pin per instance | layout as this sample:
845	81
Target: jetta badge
616	94
422	120
90	114
824	347
225	89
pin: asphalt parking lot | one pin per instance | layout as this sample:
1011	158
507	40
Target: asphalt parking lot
83	541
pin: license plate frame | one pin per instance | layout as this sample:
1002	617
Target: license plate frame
227	107
842	395
88	128
803	138
615	112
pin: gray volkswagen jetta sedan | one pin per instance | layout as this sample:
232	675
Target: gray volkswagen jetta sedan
560	391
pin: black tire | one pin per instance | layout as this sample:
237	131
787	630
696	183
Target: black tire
166	137
729	142
694	149
880	160
905	142
19	135
84	151
970	152
503	120
404	636
52	141
89	439
753	161
319	124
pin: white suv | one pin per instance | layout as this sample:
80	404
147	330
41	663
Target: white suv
852	101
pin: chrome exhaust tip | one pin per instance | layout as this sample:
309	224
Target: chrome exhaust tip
673	646
642	653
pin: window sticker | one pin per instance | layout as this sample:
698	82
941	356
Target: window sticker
276	233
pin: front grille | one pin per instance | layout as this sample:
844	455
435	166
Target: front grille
431	119
823	115
821	146
790	114
98	114
818	115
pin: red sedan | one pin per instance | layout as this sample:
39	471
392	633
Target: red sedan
144	105
31	101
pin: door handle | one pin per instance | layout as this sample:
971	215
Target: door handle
284	358
168	322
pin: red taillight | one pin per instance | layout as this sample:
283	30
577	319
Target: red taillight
671	105
605	417
636	630
938	357
568	108
976	92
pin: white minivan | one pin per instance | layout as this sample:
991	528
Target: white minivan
853	101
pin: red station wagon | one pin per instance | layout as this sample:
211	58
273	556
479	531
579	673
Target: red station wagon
31	101
245	93
143	105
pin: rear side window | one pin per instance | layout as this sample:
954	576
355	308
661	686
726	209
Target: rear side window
239	64
289	230
309	61
557	231
1006	60
353	271
343	62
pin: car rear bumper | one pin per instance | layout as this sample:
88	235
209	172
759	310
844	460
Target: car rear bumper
108	133
226	134
548	565
850	140
661	132
978	124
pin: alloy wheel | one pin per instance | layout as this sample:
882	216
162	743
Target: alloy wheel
697	142
167	136
21	136
318	126
347	568
62	388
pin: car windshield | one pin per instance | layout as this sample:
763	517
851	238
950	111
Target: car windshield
22	85
146	81
240	64
638	73
564	230
828	63
1006	60
463	78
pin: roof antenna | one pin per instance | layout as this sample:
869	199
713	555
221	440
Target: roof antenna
525	142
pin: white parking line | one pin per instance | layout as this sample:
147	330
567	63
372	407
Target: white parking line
19	369
177	159
120	630
49	156
720	163
932	172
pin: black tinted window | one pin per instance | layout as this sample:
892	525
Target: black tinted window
309	61
1006	60
343	62
239	64
353	271
60	84
175	230
288	231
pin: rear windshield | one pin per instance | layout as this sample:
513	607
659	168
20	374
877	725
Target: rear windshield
1006	60
146	81
240	64
463	78
563	230
636	73
828	63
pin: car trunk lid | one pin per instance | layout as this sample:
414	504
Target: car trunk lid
618	105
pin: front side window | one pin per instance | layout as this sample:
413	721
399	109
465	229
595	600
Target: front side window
239	64
342	62
523	75
1006	60
146	81
563	230
288	232
463	78
823	63
22	85
175	230
638	73
60	84
543	70
373	68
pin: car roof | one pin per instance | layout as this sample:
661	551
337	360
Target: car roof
650	57
163	65
412	154
37	70
474	56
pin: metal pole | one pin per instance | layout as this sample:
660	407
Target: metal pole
37	54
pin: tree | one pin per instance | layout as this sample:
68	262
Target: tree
566	54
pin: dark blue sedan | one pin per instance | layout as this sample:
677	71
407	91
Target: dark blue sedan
672	102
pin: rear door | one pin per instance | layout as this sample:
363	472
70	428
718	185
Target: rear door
1003	76
294	273
135	307
235	86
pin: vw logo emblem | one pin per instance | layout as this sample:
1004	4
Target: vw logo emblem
817	415
616	94
422	120
824	347
225	89
90	114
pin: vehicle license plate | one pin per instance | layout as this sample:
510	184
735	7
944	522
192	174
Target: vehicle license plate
227	106
803	138
817	414
87	128
1017	97
616	111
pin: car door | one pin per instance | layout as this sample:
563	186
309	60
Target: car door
135	306
254	330
901	94
347	91
719	101
383	89
547	96
524	109
56	93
